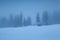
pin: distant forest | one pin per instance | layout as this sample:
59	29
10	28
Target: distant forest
20	21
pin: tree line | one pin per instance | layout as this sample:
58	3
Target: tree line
20	21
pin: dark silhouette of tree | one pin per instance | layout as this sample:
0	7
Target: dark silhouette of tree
45	17
21	19
38	19
25	22
28	21
11	19
56	17
16	21
3	22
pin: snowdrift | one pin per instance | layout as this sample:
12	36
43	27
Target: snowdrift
50	32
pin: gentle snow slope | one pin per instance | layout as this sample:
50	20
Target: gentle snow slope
51	32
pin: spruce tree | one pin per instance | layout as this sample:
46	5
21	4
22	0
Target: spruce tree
21	19
25	22
45	17
3	21
11	20
29	21
38	19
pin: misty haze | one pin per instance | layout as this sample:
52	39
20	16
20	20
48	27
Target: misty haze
29	20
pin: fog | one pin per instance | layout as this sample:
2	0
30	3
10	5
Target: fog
28	7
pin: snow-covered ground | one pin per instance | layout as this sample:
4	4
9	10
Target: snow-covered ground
50	32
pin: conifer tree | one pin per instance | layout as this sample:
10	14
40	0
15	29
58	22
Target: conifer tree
45	17
38	19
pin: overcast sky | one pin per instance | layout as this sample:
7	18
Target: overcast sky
28	8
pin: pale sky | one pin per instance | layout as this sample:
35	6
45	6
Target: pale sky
28	7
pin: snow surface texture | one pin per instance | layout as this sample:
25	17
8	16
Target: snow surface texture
51	32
